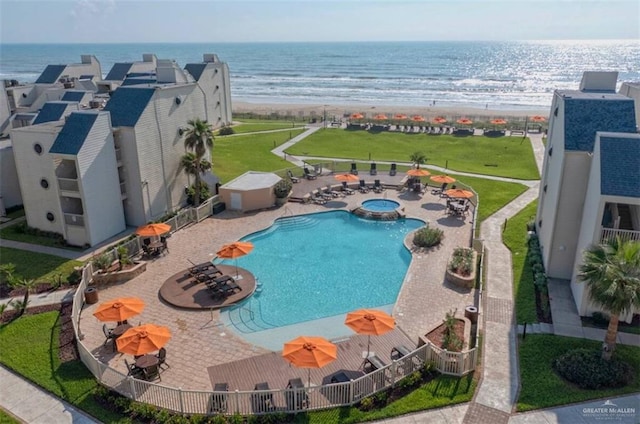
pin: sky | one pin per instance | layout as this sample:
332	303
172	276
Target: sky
144	21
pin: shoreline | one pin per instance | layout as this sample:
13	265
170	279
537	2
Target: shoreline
344	110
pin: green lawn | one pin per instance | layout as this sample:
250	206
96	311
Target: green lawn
233	156
38	266
29	346
504	156
543	388
5	418
515	238
13	232
255	125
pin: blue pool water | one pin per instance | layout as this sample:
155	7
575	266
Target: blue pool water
311	267
380	205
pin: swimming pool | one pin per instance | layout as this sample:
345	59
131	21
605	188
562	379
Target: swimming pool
312	267
380	205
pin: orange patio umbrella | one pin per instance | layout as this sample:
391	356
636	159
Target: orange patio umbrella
357	115
380	117
459	193
418	118
143	339
346	177
119	309
153	230
439	120
234	251
443	179
418	172
538	118
400	116
310	352
498	121
370	322
464	121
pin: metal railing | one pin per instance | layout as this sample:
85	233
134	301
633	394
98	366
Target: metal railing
625	235
74	219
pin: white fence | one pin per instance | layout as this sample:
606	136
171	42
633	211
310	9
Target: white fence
625	235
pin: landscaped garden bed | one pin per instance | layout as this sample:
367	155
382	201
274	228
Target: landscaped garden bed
461	270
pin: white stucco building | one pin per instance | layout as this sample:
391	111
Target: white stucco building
590	188
90	164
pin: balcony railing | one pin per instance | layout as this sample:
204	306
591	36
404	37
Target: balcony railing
625	235
74	219
68	184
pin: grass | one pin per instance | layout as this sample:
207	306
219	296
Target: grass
37	266
233	156
543	388
5	418
255	125
442	391
15	213
515	238
504	156
12	232
36	358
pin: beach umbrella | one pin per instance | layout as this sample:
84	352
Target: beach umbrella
370	322
119	309
347	177
439	120
400	116
459	193
234	251
418	118
464	121
380	117
443	179
310	352
143	339
538	118
498	121
153	230
357	115
418	172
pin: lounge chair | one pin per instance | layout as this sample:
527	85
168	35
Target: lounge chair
373	363
346	189
363	187
377	187
291	177
354	170
297	397
393	170
308	175
151	373
373	170
218	400
318	199
399	351
262	402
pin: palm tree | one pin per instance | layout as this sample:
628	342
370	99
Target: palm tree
198	138
612	274
194	166
27	285
418	158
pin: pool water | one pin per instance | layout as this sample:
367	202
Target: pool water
321	265
380	205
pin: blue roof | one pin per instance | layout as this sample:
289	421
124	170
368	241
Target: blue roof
138	81
118	71
72	136
51	74
51	111
196	69
620	166
73	96
126	105
585	116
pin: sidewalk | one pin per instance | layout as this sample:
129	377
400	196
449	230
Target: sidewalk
33	405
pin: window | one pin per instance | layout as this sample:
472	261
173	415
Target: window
551	151
50	217
540	224
44	183
545	188
38	148
555	111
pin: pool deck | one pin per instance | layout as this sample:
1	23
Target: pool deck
200	341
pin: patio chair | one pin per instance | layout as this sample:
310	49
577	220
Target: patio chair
165	247
162	358
377	187
291	177
151	373
363	187
346	189
297	397
393	170
354	170
218	400
133	370
308	175
373	170
108	334
441	190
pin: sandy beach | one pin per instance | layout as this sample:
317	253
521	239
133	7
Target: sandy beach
338	111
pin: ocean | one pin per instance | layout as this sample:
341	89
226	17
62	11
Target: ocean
515	75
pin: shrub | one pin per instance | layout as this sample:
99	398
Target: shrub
600	319
75	277
587	369
226	130
428	237
282	188
102	262
204	192
462	261
367	404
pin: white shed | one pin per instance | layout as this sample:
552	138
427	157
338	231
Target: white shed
250	191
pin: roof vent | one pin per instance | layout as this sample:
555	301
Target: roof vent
95	104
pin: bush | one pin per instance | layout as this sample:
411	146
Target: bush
587	369
428	237
204	192
226	130
102	262
462	261
600	319
282	188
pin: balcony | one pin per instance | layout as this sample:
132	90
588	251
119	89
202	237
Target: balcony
123	191
68	184
625	235
74	219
